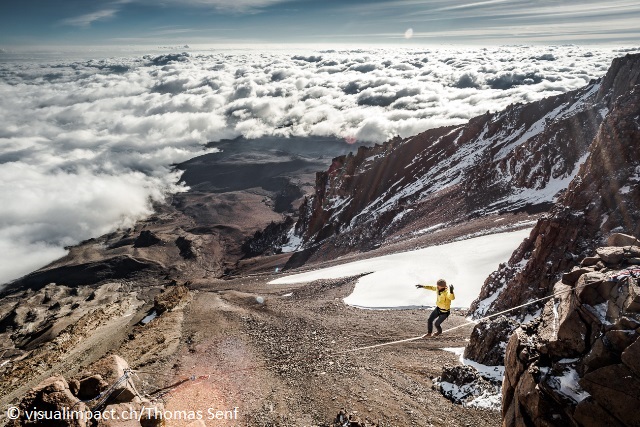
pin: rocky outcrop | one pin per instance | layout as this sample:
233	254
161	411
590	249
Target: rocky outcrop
89	273
490	350
187	248
463	384
171	298
145	239
577	364
601	202
603	198
270	240
51	395
106	387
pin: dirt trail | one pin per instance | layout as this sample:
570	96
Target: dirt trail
280	361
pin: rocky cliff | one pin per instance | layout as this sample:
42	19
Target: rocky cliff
604	197
521	158
578	363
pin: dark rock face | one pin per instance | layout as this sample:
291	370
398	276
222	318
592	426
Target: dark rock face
603	198
88	273
187	250
578	363
268	241
490	351
145	239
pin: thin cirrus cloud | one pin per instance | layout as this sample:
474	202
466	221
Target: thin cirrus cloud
87	146
225	6
85	21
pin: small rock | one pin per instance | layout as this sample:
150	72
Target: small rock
572	277
590	261
611	254
90	387
619	239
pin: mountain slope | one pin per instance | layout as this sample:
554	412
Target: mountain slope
602	198
513	160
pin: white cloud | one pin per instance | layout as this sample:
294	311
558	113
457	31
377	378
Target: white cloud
86	146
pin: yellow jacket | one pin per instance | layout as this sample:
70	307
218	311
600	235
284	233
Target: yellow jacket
444	298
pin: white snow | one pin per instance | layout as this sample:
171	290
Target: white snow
529	317
600	311
293	242
492	373
149	317
391	284
548	193
486	399
428	229
567	384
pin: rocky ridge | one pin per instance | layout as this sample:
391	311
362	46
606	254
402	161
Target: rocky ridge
577	364
521	158
603	198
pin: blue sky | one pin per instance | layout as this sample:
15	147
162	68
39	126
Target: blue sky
411	22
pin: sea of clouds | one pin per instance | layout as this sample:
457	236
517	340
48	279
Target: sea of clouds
87	146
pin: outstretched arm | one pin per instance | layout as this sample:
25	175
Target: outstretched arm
431	288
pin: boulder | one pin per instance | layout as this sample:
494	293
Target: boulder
111	369
52	394
632	301
619	340
593	289
611	254
490	350
590	261
617	389
572	277
91	386
600	355
460	375
562	331
620	240
631	357
589	414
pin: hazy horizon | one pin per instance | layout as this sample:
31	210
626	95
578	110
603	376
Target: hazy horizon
406	22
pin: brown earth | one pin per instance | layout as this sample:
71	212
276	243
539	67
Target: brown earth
279	362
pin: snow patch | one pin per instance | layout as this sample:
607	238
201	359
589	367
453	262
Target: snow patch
392	281
293	241
566	384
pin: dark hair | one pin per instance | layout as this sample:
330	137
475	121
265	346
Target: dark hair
442	282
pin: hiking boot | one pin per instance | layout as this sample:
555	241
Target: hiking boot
427	336
436	334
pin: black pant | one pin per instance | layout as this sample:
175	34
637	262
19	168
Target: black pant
440	315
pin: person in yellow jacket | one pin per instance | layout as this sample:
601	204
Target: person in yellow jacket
443	305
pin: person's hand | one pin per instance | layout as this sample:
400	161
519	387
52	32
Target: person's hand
451	288
418	286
